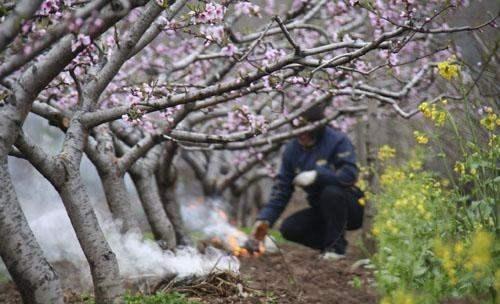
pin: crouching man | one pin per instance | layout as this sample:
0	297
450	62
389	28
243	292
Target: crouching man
323	163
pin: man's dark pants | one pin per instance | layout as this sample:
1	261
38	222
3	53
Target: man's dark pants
323	226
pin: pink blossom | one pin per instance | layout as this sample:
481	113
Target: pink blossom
246	8
213	32
212	13
229	50
81	40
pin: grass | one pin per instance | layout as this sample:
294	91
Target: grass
157	298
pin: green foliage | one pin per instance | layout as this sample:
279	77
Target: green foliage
356	282
271	298
158	298
437	236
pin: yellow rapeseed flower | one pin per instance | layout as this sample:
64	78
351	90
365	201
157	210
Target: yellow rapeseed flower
473	171
421	138
401	296
415	165
459	168
448	69
459	248
386	152
440	118
491	121
480	250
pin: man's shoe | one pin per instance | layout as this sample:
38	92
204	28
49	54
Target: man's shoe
332	256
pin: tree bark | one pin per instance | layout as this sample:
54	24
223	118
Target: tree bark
35	278
63	172
165	177
102	261
370	153
102	154
149	194
103	264
118	198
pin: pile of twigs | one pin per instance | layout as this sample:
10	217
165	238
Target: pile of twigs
216	284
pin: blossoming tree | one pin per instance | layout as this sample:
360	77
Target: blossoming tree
132	82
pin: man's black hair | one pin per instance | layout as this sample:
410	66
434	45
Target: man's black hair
315	113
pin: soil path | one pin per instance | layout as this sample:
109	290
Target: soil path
296	275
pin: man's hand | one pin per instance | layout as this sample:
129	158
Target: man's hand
259	230
305	178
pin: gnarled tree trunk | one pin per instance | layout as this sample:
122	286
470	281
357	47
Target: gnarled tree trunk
34	276
102	154
102	260
165	177
147	188
63	172
118	199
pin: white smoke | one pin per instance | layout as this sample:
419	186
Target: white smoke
136	256
53	230
210	217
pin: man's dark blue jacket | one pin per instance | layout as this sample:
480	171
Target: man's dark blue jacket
332	156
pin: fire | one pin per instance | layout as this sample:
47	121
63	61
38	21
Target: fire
228	237
236	249
239	251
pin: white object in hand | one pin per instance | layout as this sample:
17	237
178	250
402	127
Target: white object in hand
305	178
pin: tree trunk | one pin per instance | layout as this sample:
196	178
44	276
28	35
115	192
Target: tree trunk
34	276
174	214
118	199
63	172
102	261
101	152
149	194
370	152
166	178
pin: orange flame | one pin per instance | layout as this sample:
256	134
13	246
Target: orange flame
236	249
240	251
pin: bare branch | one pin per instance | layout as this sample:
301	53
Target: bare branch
45	163
288	37
136	152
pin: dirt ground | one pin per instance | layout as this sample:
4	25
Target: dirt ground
296	275
299	276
